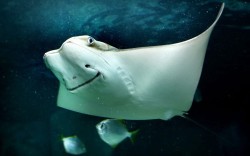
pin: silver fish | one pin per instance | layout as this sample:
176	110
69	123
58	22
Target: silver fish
73	145
113	131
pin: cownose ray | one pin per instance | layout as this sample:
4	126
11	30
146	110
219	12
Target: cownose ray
156	82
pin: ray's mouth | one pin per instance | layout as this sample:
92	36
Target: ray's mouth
84	83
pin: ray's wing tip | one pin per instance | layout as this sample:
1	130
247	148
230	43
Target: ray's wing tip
219	14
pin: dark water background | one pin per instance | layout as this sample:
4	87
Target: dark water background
30	122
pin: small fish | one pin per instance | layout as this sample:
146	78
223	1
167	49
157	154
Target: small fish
73	145
113	131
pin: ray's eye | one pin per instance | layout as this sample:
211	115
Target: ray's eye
90	40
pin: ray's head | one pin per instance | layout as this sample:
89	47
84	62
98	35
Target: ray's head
80	65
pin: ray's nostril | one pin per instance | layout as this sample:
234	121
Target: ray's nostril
87	65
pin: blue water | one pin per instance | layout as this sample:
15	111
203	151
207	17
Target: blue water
32	125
